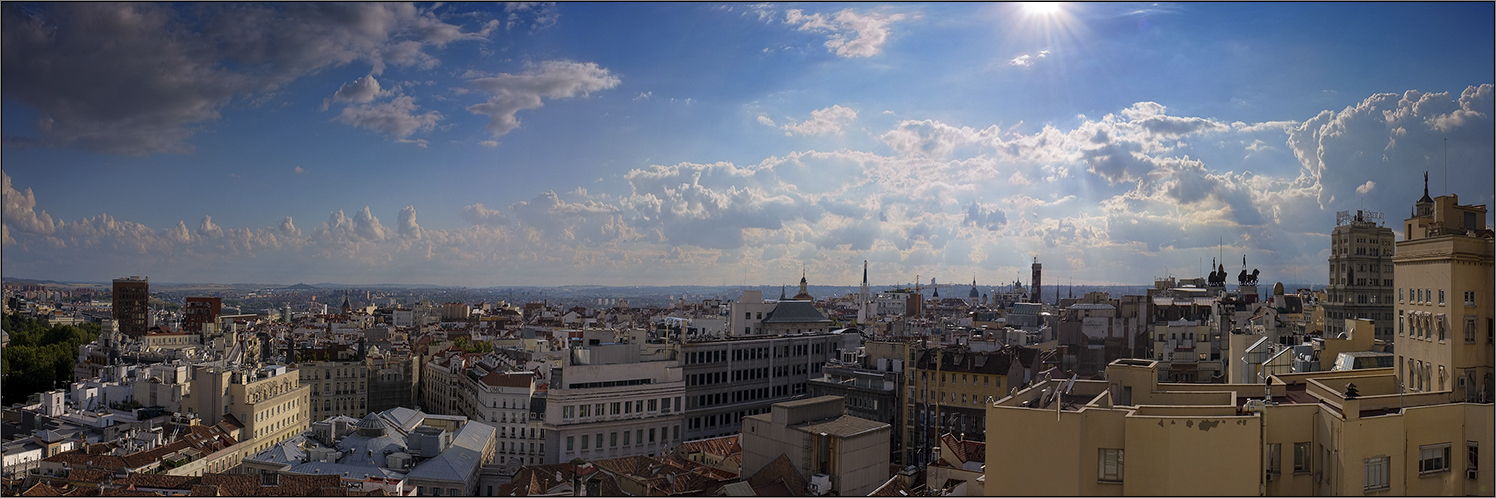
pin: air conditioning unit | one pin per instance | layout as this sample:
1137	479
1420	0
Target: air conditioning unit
1472	473
1271	476
820	484
1461	381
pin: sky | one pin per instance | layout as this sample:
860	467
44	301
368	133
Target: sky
725	144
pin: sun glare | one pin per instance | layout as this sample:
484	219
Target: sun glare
1042	8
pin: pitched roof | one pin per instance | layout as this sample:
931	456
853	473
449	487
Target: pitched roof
778	471
893	487
795	312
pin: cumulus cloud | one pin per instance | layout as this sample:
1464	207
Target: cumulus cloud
489	143
20	211
851	34
362	90
207	229
764	120
556	79
1366	187
1393	137
91	70
299	170
480	215
397	118
828	121
408	228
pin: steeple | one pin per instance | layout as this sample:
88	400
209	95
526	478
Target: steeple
974	294
804	294
1425	206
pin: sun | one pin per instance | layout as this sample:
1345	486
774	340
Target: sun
1042	8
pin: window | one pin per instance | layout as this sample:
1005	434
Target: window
1109	465
1469	298
651	435
613	439
1472	459
625	438
1441	297
1376	473
1433	458
1300	458
584	441
1274	458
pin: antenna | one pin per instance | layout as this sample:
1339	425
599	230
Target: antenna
1446	165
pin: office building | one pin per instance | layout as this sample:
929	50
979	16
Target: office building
1360	274
604	402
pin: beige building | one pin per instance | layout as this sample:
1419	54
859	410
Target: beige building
270	403
821	441
337	387
1319	433
1445	325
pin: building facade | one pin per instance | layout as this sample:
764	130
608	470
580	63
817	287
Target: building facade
817	435
605	403
726	380
1320	433
1445	324
1361	274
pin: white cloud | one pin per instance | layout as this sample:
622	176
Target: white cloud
20	211
828	121
208	229
396	118
1027	60
408	228
557	79
489	143
479	215
764	120
362	90
988	217
852	34
644	96
1366	187
299	170
1019	179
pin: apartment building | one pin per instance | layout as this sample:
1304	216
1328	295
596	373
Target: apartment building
1320	433
337	387
604	402
393	378
1443	270
952	387
270	402
502	399
728	379
439	386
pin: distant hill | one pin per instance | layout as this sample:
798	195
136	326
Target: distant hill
300	287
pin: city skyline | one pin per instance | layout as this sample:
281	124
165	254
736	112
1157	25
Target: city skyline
668	144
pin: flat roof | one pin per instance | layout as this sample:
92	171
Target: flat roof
843	426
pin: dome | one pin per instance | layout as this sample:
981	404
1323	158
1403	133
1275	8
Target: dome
1278	289
372	426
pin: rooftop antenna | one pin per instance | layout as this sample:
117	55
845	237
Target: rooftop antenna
1446	165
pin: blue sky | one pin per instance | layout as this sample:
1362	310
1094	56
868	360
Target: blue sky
650	144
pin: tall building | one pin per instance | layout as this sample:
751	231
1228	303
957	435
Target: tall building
1038	269
132	298
1360	274
270	402
1443	271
